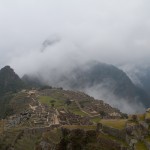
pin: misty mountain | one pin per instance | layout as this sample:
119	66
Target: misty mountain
9	81
145	80
32	81
141	77
102	81
108	77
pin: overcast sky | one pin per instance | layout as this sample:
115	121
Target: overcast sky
40	33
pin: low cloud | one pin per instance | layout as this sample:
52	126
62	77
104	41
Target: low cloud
107	95
111	31
50	42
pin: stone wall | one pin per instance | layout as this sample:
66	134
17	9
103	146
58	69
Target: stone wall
110	144
88	139
40	129
19	135
120	134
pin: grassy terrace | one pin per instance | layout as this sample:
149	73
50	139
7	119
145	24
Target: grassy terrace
141	117
106	136
27	142
114	123
60	103
147	138
141	146
50	100
75	109
72	127
96	119
147	115
8	137
53	136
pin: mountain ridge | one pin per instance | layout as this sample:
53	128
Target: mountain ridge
101	75
9	81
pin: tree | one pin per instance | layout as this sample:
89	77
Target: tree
103	114
68	102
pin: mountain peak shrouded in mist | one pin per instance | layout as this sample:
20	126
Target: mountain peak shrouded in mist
100	80
7	69
9	81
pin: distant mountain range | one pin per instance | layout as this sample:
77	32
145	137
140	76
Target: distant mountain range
100	78
96	76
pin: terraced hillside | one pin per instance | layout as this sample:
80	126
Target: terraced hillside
56	119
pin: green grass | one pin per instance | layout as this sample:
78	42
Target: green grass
46	99
49	100
114	123
8	138
141	146
78	112
60	103
27	142
96	119
84	127
53	136
141	117
75	109
147	138
147	115
113	138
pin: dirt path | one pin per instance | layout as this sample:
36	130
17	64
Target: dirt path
56	120
33	107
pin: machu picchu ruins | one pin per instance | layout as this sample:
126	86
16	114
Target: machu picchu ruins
65	113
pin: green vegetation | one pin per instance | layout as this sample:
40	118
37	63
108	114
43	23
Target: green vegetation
53	136
12	103
96	119
83	103
113	138
118	124
8	138
27	142
50	100
147	115
78	112
141	117
72	127
60	103
75	109
5	108
148	138
141	146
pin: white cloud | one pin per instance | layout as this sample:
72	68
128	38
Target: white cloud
113	31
